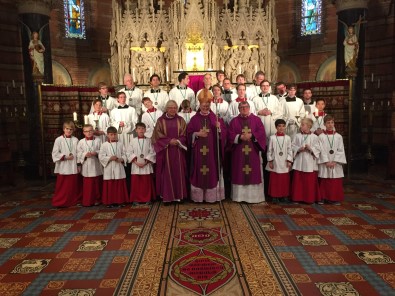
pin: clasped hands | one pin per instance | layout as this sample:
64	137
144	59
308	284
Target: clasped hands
246	137
265	112
114	158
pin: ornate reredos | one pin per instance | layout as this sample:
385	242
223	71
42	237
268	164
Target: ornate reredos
146	39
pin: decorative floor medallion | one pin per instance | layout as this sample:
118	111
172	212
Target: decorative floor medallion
93	245
200	214
31	266
337	289
374	257
202	271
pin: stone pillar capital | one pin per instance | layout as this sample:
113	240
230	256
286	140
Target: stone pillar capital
35	6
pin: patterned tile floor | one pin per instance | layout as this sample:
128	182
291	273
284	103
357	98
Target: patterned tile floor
338	250
327	249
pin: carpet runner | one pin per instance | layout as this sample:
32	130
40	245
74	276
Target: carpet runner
208	249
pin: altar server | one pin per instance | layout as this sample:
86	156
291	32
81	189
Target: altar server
123	118
133	93
331	161
64	155
150	116
268	108
294	112
112	156
306	150
141	154
99	120
158	96
92	171
182	91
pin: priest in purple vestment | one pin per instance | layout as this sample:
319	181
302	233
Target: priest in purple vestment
169	140
247	138
206	132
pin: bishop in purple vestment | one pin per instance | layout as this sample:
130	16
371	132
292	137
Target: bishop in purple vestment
169	139
205	134
246	135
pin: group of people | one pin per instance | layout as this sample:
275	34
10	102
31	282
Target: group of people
202	147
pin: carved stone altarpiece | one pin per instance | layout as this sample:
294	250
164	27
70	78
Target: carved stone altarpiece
192	35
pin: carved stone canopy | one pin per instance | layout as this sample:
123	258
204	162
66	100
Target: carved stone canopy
35	6
192	35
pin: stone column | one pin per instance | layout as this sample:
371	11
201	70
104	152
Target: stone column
34	17
352	13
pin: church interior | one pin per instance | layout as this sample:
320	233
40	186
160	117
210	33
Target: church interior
195	249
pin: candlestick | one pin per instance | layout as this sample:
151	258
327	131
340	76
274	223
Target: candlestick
150	71
13	83
85	119
223	68
74	116
167	73
22	89
378	83
372	78
8	90
364	84
256	68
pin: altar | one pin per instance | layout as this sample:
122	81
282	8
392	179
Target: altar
193	35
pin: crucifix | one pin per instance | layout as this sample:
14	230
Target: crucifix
204	150
204	170
247	169
246	149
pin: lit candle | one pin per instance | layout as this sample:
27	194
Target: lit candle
8	90
389	103
75	116
239	69
378	83
167	73
85	119
13	83
150	71
372	78
223	68
134	74
364	84
22	89
256	68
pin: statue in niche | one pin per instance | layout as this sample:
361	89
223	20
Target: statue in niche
113	60
36	49
351	44
140	71
231	66
160	65
275	63
126	57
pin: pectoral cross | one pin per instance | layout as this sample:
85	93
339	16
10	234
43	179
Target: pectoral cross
246	149
204	170
247	169
205	129
204	150
246	130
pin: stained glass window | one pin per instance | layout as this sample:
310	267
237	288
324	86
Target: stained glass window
74	18
311	17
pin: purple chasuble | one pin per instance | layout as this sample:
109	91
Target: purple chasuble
170	159
204	156
246	163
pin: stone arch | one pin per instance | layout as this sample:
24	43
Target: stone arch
60	74
98	74
327	70
288	72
